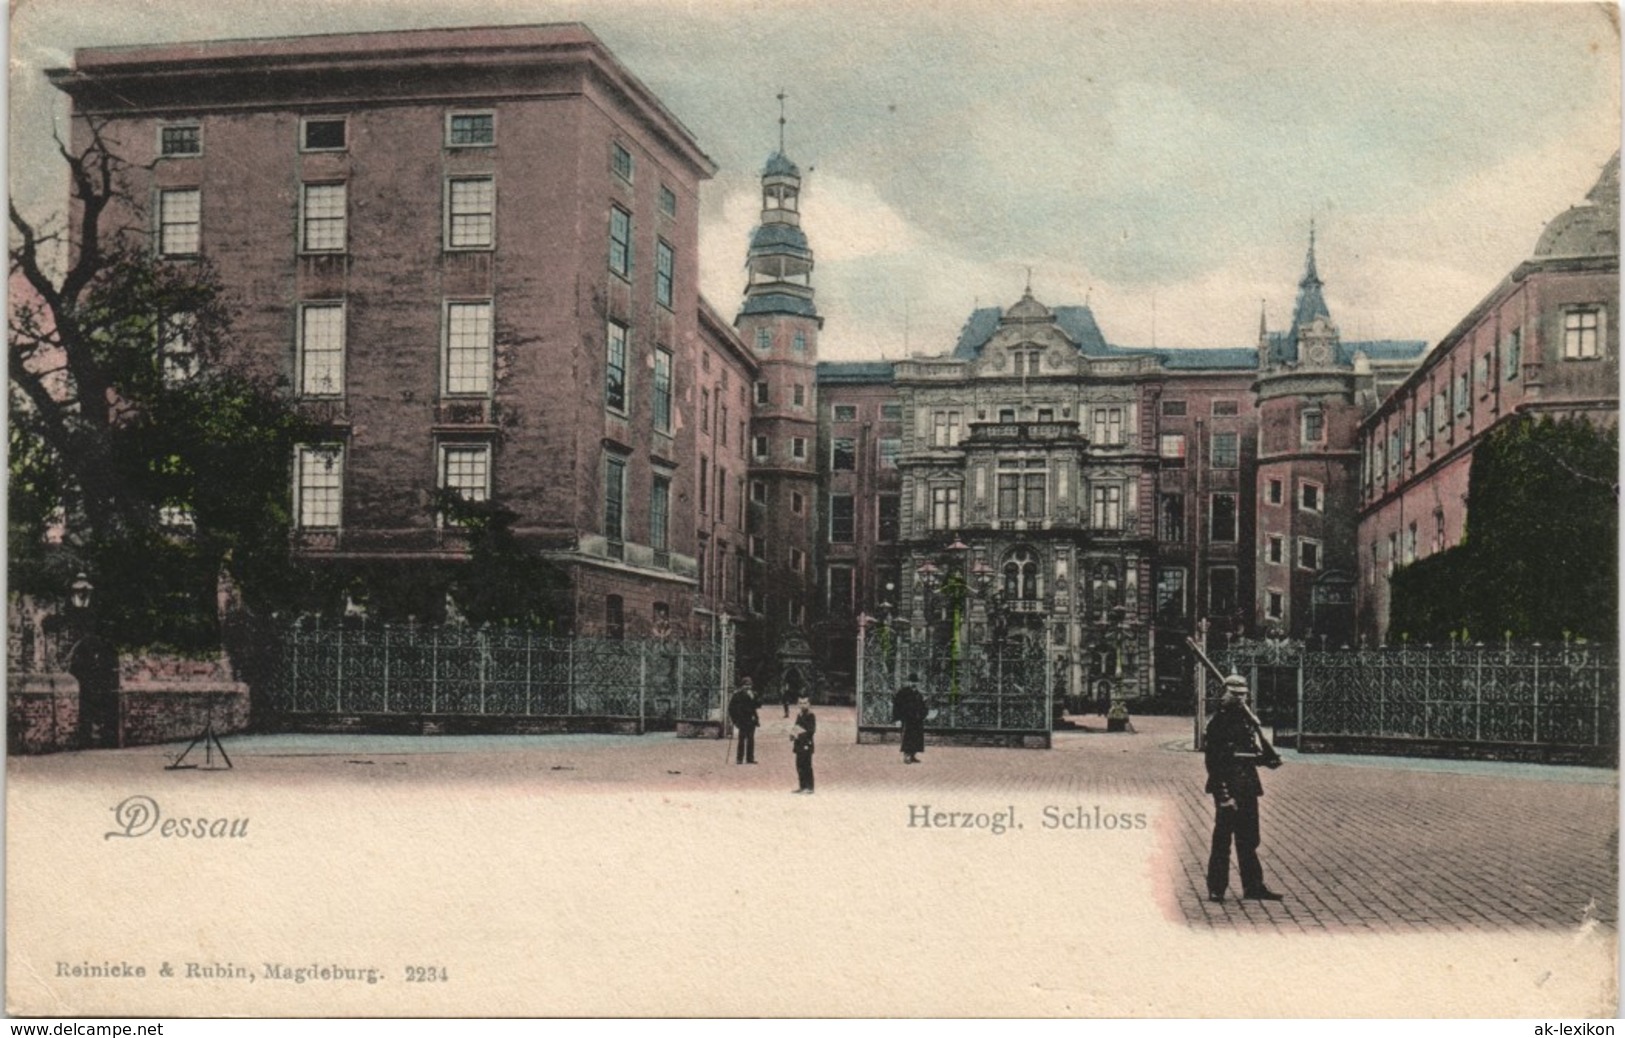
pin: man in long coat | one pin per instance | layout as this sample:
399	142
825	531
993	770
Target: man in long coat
742	712
908	709
801	741
1233	750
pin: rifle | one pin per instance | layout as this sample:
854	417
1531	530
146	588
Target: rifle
1269	758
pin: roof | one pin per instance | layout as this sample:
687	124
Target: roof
1229	357
778	303
1590	228
1383	349
856	371
1078	322
780	238
778	165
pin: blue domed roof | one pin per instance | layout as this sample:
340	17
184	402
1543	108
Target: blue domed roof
782	238
779	166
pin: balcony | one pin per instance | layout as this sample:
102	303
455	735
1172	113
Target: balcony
1022	432
465	413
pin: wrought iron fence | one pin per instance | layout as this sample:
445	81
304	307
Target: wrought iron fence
1560	695
492	671
1006	689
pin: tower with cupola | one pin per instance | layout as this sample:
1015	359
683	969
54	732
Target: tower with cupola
779	322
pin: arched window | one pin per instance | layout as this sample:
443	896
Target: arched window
1105	586
1021	575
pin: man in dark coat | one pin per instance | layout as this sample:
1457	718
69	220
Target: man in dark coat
801	741
1234	748
94	662
908	709
742	712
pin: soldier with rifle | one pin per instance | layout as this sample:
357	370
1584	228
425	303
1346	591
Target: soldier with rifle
1235	747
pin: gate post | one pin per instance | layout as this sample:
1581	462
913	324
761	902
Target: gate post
863	631
386	630
643	680
1303	663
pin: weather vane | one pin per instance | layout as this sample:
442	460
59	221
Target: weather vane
782	96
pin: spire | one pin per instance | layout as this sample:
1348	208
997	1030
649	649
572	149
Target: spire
1263	325
780	260
1311	304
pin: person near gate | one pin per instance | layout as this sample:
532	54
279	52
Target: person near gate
801	741
1235	746
908	709
742	712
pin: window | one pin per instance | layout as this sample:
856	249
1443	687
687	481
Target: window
621	162
471	130
705	484
758	492
846	412
843	454
615	368
324	213
1109	426
1224	408
1171	517
1171	593
322	135
177	352
798	561
840	590
659	513
761	393
1580	333
180	222
614	617
180	139
1410	544
1441	410
891	412
1222	517
1225	450
1275	492
1021	576
620	241
722	420
889	450
1438	531
1046	414
321	349
468	349
319	486
668	200
798	503
1314	427
662	387
1034	490
1274	605
663	274
722	493
798	448
799	395
465	470
1106	508
764	339
1512	350
1174	409
615	498
1007	415
888	518
944	508
760	447
1308	553
1275	549
1311	497
841	519
799	343
1463	395
945	429
1171	448
1221	590
470	213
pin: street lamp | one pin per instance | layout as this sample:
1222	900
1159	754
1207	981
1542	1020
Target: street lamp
79	592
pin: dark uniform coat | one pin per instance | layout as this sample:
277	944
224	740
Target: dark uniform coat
908	709
802	744
1233	749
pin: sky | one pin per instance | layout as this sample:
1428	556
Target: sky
1160	161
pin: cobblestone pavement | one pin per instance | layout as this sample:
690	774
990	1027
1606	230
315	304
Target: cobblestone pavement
1357	844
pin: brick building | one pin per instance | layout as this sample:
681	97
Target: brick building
473	254
1543	342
